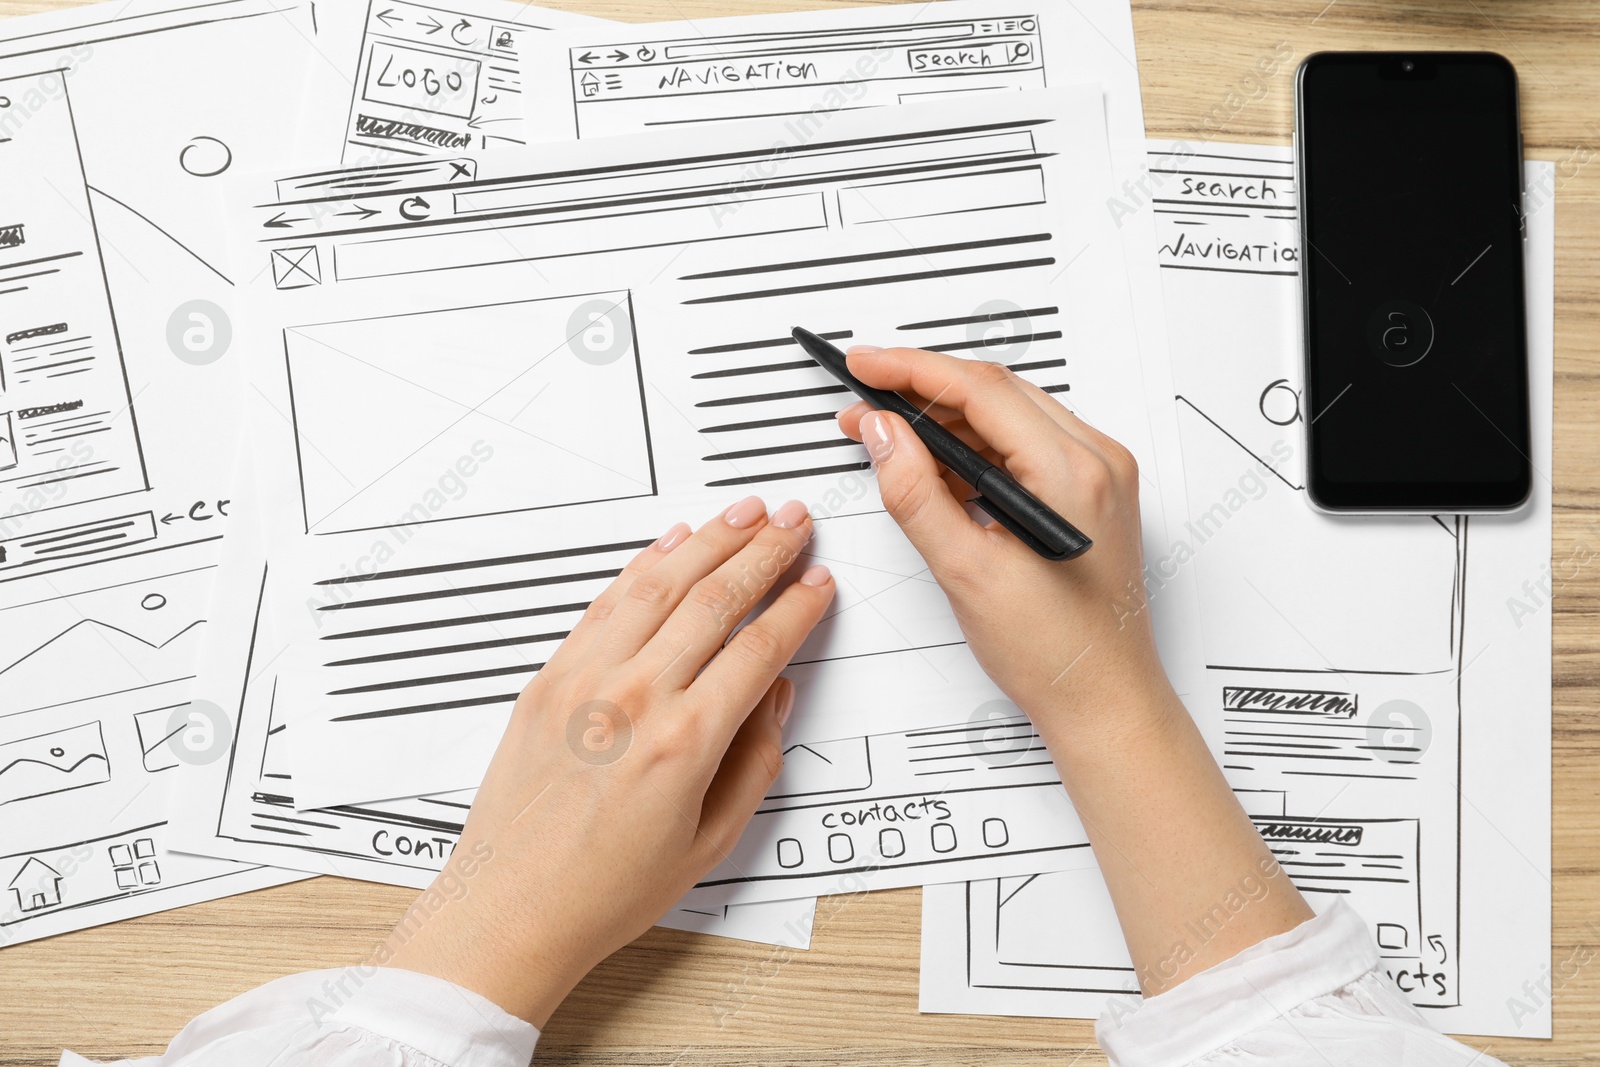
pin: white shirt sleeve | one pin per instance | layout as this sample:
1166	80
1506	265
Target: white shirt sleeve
1312	996
355	1017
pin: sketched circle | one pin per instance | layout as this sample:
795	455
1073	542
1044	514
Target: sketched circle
205	157
153	602
1398	731
993	322
1280	403
1004	741
198	733
599	331
599	732
199	332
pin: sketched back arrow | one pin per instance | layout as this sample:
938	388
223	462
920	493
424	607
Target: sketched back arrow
387	16
278	222
587	57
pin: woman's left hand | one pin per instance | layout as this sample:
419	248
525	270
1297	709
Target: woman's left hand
630	766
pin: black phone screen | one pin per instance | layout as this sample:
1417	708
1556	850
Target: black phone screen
1410	172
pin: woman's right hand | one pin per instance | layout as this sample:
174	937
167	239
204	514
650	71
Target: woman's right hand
1071	643
1057	637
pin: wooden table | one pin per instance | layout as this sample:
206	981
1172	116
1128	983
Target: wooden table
677	998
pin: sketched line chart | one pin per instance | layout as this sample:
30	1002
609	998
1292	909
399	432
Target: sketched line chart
93	636
122	659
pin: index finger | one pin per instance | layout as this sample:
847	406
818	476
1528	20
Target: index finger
985	394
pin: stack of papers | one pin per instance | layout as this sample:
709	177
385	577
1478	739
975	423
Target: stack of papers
301	480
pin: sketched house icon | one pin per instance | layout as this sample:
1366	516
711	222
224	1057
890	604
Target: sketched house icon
37	885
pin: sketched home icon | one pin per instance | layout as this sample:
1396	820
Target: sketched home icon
37	885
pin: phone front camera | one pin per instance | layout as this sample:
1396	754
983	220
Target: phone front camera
1407	66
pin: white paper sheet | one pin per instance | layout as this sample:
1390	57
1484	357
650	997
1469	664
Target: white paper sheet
504	592
625	442
1419	619
122	129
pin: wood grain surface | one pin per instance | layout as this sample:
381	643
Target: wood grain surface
684	999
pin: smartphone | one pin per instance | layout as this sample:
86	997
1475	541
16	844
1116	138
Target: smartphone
1409	170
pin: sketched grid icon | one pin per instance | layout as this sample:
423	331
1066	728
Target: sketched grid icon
296	268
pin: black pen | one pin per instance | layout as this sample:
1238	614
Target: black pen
1012	506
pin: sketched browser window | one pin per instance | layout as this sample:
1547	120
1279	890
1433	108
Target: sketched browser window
797	74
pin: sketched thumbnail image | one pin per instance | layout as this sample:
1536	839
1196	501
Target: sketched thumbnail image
53	763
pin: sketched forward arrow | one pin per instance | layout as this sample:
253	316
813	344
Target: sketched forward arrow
363	212
432	26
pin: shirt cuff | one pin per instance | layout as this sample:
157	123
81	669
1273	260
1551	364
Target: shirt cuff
438	1018
1241	994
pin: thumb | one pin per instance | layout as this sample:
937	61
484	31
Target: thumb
749	767
917	497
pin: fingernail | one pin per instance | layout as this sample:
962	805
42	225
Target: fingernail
863	350
789	516
673	537
817	575
785	700
746	512
875	435
860	405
